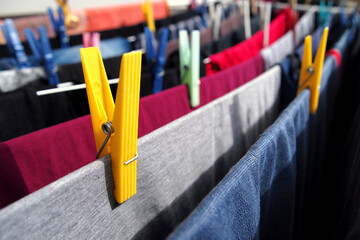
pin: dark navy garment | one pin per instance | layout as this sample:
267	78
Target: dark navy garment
256	199
340	196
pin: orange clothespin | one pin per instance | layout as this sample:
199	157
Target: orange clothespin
147	10
71	20
310	73
119	122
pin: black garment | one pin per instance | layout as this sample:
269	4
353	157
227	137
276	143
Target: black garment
60	107
125	31
21	112
339	204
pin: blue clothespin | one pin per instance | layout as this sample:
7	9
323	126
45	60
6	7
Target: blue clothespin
343	18
14	45
43	53
59	27
202	9
155	60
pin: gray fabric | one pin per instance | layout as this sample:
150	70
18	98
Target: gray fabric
278	50
305	26
178	165
11	80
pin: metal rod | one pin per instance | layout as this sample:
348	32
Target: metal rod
68	89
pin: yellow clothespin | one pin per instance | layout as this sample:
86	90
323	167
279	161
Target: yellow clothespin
119	122
71	20
147	10
310	73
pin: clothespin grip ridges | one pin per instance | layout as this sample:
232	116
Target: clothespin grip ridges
310	74
99	95
125	124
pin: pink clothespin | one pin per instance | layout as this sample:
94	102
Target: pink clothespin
91	39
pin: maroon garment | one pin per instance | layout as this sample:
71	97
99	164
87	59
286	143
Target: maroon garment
32	161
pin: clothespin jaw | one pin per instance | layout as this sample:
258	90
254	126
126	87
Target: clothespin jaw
33	43
14	44
43	53
202	9
328	13
156	60
310	74
120	119
100	99
321	14
48	57
125	124
160	62
150	48
59	26
324	15
147	10
86	37
190	64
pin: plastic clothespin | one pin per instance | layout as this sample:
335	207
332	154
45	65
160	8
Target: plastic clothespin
202	9
59	27
267	20
71	20
193	5
324	15
43	53
343	18
14	44
217	22
156	60
247	20
190	64
147	10
118	121
328	13
91	39
310	73
352	18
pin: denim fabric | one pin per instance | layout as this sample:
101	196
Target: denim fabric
108	48
256	199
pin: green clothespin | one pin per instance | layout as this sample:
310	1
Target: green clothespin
190	64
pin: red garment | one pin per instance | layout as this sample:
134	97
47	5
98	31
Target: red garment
105	18
32	161
336	54
251	47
